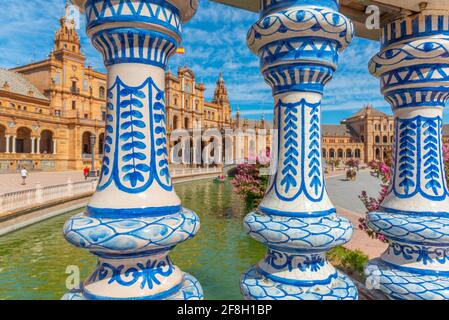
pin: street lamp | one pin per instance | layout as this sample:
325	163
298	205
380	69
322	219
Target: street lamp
93	139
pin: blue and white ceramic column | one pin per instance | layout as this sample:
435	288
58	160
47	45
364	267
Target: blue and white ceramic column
135	217
298	43
413	66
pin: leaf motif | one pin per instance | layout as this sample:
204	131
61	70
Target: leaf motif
133	145
133	178
127	168
132	113
131	102
136	123
134	134
132	91
143	167
135	155
160	95
158	106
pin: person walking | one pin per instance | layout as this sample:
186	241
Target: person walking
24	175
86	172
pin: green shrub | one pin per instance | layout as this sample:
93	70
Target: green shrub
351	262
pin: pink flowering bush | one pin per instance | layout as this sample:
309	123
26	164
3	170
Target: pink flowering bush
249	183
383	172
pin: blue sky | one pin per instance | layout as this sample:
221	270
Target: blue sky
215	40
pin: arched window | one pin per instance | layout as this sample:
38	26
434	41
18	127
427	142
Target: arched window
377	139
332	153
23	140
87	146
175	122
377	154
362	138
186	123
2	139
349	153
102	92
385	139
357	153
324	153
101	144
340	153
46	142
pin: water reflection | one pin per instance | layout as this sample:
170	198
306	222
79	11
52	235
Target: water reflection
33	261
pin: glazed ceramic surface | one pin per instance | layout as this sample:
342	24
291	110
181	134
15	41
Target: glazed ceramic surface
298	43
413	66
135	216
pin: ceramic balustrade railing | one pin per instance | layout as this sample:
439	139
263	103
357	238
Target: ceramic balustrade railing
22	199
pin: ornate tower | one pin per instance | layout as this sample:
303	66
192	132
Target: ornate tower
221	98
66	38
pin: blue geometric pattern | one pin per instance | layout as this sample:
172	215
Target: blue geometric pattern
298	233
138	46
419	229
301	21
257	287
314	155
299	141
159	12
290	79
407	154
286	235
403	285
140	154
190	290
414	27
149	273
131	235
419	164
299	49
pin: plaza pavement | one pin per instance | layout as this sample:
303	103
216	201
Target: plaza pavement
11	182
344	195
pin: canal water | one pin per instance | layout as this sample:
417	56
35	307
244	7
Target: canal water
34	260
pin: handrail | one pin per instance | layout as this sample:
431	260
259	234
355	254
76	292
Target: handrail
16	200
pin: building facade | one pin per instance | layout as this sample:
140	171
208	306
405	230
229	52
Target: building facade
49	109
367	135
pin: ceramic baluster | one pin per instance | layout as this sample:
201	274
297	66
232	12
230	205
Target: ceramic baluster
135	217
413	67
298	43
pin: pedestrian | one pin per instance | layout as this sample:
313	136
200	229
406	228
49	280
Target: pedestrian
86	172
24	175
